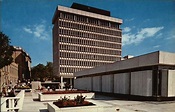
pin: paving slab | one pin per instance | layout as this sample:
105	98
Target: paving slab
31	104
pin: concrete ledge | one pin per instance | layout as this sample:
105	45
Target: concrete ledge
53	97
99	107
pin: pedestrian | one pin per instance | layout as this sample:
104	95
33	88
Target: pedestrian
11	93
4	92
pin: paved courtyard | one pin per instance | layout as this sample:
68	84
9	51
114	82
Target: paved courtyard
31	104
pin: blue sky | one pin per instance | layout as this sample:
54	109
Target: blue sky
148	25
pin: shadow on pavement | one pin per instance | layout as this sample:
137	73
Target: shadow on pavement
43	110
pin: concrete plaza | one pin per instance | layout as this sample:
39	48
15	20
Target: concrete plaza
31	104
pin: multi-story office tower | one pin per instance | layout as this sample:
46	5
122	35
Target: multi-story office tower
84	37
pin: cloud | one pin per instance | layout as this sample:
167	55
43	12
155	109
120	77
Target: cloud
126	29
129	19
27	30
159	35
171	34
40	31
156	46
130	38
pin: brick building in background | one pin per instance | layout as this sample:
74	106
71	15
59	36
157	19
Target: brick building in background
8	75
84	37
24	63
19	69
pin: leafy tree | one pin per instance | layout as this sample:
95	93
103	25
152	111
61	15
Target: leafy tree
6	51
49	70
38	72
42	72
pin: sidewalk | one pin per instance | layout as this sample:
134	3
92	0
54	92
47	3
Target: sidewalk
31	105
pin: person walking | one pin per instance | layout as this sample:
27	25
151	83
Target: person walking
11	93
4	92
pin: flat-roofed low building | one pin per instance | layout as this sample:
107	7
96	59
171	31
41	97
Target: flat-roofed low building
149	75
84	37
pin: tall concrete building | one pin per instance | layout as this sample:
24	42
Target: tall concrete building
84	37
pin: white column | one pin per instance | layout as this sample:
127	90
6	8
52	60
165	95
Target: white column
71	83
62	84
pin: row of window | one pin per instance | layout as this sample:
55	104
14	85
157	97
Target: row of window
85	27
81	63
89	49
89	20
89	35
89	42
70	70
88	56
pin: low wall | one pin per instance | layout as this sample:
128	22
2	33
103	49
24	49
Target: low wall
100	107
51	97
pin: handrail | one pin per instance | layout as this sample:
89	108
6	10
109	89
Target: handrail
12	103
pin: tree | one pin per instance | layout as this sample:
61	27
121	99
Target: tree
38	72
42	72
49	70
6	51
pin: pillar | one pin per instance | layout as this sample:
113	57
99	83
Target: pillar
62	84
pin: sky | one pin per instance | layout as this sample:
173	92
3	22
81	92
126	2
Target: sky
148	25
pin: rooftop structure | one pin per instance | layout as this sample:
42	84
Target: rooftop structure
90	9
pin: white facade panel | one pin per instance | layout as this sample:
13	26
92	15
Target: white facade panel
77	83
107	83
171	83
141	83
121	83
97	83
83	83
168	58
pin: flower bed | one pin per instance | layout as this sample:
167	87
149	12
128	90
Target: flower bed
19	88
72	103
22	87
79	100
